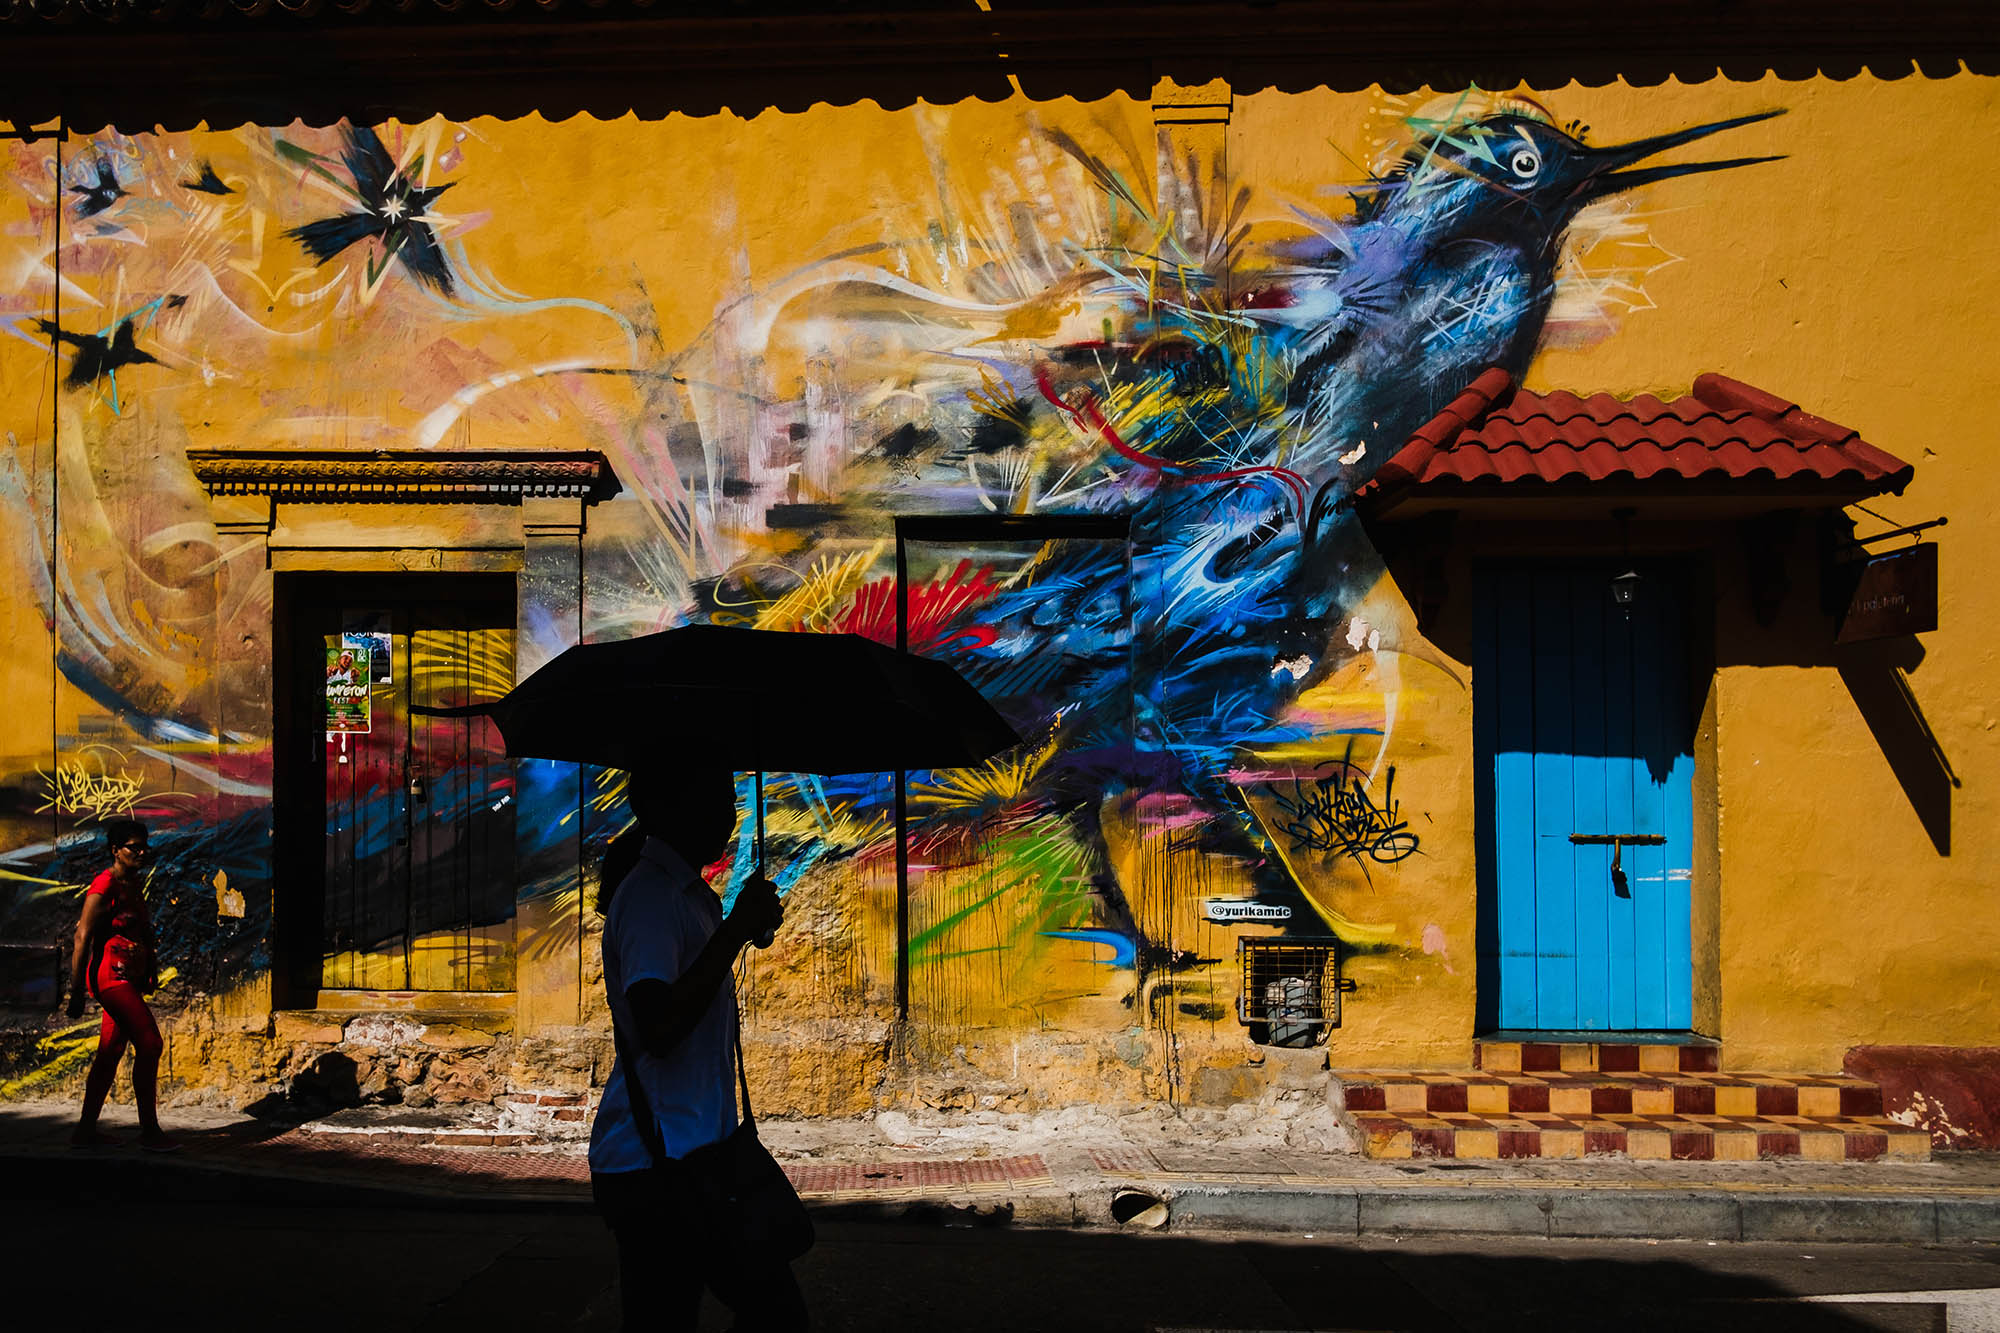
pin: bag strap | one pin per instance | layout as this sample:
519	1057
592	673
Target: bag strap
742	1079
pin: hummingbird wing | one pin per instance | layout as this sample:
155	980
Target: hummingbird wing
327	237
88	361
124	350
417	247
370	165
207	182
56	333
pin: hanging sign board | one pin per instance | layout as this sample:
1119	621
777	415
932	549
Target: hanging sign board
349	672
1895	594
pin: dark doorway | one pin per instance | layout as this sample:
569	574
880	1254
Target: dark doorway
395	833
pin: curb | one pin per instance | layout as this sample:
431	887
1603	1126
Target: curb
1573	1212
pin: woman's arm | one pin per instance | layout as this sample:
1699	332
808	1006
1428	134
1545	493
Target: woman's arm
95	908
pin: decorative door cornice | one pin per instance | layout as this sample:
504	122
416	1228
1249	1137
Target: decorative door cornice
404	476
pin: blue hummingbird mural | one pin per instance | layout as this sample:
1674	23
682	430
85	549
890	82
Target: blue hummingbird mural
1228	425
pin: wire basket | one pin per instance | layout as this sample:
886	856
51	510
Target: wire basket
1291	990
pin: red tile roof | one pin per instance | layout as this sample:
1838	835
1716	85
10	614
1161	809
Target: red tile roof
1497	438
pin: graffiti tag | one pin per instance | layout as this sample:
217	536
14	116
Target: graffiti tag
76	789
1337	813
1224	911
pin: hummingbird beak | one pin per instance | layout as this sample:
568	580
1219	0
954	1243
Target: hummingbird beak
1606	176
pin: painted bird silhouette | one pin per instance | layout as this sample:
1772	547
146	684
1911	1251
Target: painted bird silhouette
392	208
97	357
1235	432
206	181
100	193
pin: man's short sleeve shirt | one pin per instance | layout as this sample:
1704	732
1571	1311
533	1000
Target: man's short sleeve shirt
661	917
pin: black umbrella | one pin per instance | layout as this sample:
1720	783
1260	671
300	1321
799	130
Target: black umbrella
746	699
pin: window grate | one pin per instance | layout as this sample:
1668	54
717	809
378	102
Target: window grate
1291	990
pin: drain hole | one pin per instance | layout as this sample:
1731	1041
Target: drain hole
1138	1208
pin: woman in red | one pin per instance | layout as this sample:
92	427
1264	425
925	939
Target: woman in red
114	958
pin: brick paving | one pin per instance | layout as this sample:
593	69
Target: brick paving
440	1160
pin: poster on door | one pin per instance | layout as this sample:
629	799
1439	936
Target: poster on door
353	665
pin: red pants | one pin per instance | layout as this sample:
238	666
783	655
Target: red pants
126	1020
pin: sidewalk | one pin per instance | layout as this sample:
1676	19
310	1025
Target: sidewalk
1037	1171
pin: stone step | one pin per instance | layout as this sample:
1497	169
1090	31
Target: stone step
1681	1116
1610	1057
1479	1092
1391	1134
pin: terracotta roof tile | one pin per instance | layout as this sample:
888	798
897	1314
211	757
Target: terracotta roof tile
1496	436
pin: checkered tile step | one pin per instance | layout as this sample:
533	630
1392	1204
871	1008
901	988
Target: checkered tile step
1539	1057
1679	1116
1612	1094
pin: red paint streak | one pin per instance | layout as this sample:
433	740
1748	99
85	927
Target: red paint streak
1087	413
1266	298
933	608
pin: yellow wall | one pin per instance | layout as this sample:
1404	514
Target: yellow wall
735	288
1851	280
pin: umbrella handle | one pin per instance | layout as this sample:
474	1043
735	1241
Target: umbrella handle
765	940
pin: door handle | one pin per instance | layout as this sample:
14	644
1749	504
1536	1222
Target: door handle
1620	885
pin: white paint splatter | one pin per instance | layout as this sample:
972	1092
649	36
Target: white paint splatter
1297	667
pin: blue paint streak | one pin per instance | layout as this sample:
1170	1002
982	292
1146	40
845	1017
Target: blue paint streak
1124	952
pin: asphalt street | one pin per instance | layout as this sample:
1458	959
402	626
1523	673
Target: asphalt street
221	1267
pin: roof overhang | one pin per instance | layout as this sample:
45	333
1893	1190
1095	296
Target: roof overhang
1585	502
141	63
1725	451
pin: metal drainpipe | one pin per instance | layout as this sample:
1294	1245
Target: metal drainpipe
902	810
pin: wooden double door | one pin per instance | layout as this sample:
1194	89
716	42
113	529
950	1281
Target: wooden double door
401	827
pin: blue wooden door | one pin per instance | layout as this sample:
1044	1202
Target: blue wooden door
1583	727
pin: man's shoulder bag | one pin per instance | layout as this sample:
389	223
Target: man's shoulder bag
744	1188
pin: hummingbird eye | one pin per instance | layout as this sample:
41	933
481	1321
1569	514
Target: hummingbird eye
1525	163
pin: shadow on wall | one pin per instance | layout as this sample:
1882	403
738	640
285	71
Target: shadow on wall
1791	622
1877	675
1755	602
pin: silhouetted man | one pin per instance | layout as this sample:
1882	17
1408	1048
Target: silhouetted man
668	951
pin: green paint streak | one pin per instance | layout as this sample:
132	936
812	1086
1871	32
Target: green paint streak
1040	860
922	938
967	953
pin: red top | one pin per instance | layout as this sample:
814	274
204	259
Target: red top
122	952
1497	435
